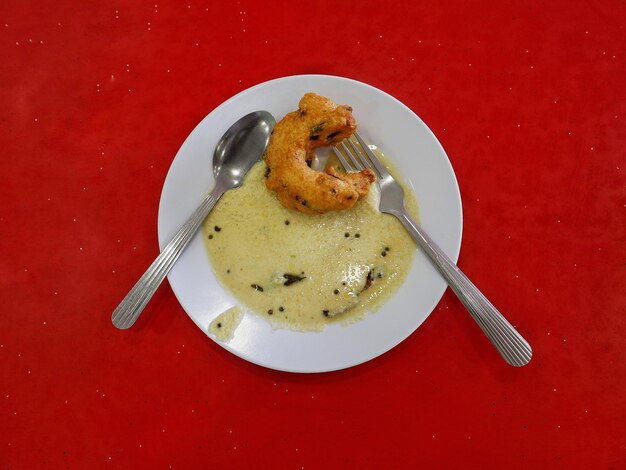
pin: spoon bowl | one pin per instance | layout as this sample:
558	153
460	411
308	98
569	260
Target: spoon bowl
248	136
241	146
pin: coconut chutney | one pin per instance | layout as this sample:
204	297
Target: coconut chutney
303	271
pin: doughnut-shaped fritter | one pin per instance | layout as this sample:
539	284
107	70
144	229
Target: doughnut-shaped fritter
317	122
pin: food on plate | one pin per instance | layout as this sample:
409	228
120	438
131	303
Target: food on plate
317	122
224	325
300	271
333	258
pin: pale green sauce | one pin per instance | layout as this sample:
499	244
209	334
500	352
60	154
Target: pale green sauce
253	242
224	325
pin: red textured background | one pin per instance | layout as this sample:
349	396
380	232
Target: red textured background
528	100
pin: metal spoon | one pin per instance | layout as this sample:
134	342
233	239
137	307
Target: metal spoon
237	151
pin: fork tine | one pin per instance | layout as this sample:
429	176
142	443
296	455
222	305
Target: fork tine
380	168
359	153
360	157
347	166
357	164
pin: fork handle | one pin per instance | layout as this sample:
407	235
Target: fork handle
510	344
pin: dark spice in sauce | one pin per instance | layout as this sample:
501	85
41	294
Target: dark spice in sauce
312	245
291	278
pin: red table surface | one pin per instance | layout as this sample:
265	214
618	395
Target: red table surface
527	98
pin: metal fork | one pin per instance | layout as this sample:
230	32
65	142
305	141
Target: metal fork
510	344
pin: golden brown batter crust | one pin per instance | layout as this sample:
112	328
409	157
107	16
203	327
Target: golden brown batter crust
317	122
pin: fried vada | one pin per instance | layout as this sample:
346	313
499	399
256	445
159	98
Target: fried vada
318	122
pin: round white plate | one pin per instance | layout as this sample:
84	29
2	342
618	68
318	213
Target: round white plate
417	154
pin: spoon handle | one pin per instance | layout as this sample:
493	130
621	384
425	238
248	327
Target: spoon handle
129	309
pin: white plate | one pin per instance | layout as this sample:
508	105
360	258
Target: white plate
401	135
